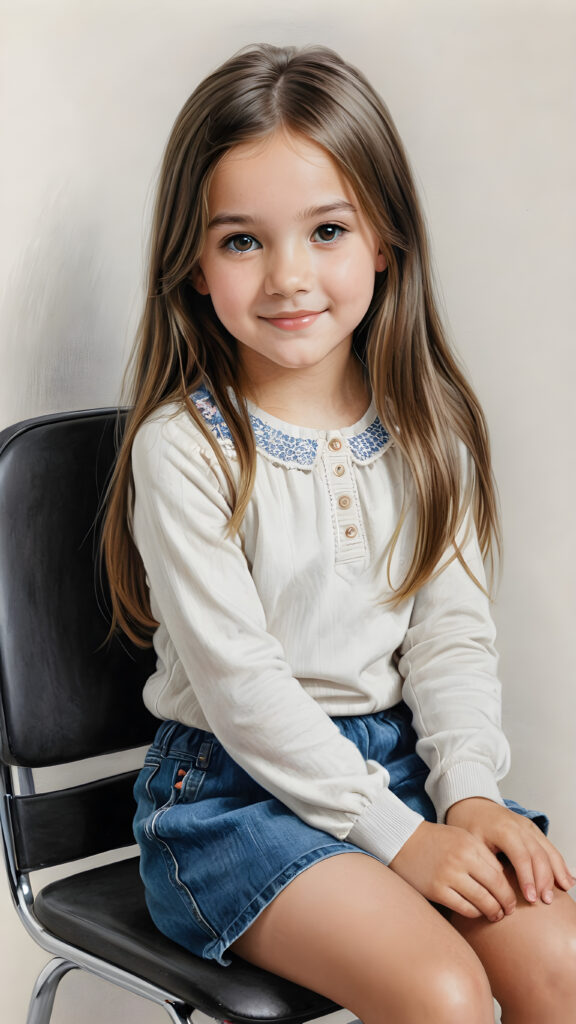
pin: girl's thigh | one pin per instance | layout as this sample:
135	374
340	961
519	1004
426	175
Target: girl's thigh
351	929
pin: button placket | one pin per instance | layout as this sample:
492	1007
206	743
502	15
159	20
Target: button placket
347	517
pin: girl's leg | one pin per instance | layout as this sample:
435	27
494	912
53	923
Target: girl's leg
351	929
530	959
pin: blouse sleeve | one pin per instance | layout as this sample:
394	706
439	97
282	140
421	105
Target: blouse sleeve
208	601
449	665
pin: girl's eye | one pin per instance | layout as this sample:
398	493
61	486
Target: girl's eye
241	243
328	232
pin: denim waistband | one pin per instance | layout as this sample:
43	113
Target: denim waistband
187	741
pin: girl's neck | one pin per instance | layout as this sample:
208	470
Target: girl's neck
308	399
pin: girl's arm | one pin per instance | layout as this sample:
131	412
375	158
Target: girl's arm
449	665
203	592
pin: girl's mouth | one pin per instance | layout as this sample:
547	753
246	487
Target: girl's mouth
296	321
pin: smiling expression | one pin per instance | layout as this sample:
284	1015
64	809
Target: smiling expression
289	259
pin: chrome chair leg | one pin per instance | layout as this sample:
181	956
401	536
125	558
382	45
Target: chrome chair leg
44	993
42	998
176	1015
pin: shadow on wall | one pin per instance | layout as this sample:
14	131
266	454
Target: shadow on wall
57	352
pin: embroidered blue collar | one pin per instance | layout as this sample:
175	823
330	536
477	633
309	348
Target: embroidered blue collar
292	447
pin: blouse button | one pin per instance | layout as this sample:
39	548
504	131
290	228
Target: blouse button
344	501
335	445
350	532
339	470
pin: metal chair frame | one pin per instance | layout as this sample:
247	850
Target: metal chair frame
65	957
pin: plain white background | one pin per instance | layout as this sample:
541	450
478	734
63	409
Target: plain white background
483	95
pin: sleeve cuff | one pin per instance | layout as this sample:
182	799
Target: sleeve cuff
384	826
463	780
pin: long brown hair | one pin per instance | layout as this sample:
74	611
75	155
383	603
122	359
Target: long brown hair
420	392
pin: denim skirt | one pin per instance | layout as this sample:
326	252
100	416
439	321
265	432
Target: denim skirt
216	847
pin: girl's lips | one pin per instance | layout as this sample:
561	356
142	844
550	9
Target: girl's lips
294	321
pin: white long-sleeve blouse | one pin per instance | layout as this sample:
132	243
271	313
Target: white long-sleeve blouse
264	637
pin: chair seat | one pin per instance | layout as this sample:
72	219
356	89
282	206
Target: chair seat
103	912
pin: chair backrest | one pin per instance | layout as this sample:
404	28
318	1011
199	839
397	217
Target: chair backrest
65	692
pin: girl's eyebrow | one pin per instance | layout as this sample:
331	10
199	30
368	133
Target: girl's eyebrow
338	206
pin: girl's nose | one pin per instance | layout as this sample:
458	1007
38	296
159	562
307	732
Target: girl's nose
288	271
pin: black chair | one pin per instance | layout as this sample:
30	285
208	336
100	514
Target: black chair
66	696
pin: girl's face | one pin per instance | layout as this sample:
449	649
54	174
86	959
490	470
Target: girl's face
289	259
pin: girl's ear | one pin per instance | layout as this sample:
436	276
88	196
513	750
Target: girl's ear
380	261
199	281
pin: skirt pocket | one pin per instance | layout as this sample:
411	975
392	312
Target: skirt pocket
166	790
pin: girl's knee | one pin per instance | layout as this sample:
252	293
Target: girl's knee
534	970
461	993
443	993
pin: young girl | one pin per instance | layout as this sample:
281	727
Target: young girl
300	512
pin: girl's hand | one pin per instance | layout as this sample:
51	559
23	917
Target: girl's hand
450	865
537	863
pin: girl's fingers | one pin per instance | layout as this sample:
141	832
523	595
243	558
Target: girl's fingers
484	890
521	860
490	874
455	901
483	887
543	874
500	892
538	867
564	878
554	872
491	906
